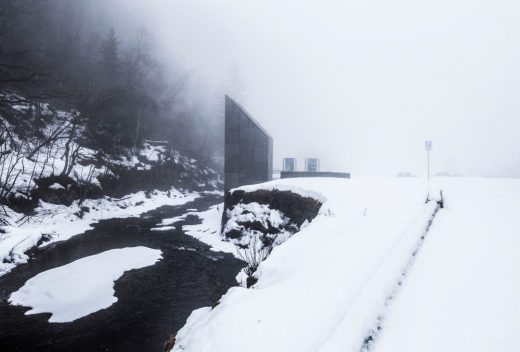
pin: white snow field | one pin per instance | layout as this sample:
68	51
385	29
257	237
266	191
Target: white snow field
82	287
334	286
463	293
323	289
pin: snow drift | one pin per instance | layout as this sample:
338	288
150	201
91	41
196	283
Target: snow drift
323	289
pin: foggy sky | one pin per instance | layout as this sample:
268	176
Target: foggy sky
361	83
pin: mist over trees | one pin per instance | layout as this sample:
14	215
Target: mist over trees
83	55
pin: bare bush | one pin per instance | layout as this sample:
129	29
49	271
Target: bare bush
254	254
84	182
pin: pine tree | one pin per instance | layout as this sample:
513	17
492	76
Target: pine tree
110	55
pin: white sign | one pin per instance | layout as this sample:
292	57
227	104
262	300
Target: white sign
428	145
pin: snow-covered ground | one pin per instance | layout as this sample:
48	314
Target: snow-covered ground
463	293
82	287
208	231
336	282
324	288
60	222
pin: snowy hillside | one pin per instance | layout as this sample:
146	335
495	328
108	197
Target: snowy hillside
342	281
54	182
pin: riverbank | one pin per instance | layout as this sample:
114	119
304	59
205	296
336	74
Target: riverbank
56	222
152	302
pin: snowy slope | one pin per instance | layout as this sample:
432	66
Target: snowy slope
324	288
47	195
463	293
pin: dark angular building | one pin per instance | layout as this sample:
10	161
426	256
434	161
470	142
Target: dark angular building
248	149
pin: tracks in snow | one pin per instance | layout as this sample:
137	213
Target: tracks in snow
371	336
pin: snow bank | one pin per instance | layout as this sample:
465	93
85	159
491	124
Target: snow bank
260	217
82	287
60	222
291	185
324	288
208	231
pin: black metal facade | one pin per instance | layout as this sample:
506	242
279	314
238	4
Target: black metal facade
248	149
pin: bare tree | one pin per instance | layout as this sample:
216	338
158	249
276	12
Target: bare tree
55	134
11	160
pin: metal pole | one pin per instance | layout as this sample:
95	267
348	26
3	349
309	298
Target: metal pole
428	165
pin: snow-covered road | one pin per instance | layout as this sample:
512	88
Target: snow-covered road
463	293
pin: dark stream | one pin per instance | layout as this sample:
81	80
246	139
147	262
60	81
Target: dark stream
153	302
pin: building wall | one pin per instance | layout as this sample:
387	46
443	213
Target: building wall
293	174
248	149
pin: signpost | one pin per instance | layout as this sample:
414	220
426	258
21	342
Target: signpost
428	148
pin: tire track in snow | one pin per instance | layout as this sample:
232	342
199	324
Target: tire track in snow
369	340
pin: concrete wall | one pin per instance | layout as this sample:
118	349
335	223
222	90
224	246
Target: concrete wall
248	149
292	174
